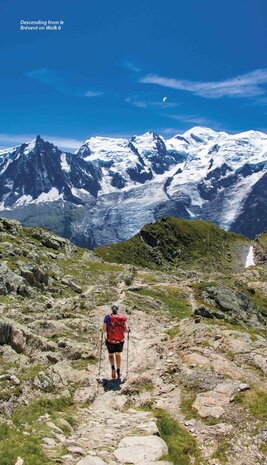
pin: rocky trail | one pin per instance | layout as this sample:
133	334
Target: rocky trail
196	388
110	429
119	425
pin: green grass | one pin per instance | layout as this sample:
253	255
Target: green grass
29	373
177	305
255	401
173	332
220	453
175	242
30	413
182	447
188	397
147	386
242	328
14	444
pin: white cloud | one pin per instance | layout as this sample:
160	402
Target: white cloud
64	143
92	93
140	102
132	67
246	85
52	79
194	119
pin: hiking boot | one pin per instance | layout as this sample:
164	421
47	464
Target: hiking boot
118	372
113	372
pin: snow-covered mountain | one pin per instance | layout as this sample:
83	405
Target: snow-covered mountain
112	186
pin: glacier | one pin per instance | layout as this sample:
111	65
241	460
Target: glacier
111	187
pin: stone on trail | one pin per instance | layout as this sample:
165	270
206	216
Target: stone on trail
160	462
65	423
75	450
90	460
19	461
213	403
139	449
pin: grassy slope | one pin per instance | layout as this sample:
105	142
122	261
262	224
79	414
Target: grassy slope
173	241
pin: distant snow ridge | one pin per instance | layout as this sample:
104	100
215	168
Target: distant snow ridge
120	184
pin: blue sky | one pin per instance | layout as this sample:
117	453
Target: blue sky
107	70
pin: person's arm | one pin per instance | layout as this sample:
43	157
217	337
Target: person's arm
105	324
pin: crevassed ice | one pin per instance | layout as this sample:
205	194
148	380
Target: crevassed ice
50	196
64	164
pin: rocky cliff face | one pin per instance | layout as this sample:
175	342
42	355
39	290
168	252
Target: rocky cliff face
197	359
201	174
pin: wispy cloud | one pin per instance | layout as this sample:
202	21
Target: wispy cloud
190	118
132	67
54	80
64	143
141	102
92	93
252	84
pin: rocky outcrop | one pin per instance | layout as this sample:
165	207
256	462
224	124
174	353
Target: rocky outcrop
11	281
51	241
12	336
60	376
260	249
9	226
213	403
234	305
19	337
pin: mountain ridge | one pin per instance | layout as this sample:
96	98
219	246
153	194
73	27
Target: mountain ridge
201	174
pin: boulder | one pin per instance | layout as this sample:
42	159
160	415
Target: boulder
9	280
9	377
60	375
17	340
11	335
90	460
34	275
203	311
85	394
72	285
9	226
51	241
213	403
234	304
139	449
19	461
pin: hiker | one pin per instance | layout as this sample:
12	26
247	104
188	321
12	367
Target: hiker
115	327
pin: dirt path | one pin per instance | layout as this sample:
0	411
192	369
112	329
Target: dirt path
113	430
110	418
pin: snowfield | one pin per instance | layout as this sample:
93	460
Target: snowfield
121	184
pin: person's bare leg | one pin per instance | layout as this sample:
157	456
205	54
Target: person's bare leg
118	363
112	364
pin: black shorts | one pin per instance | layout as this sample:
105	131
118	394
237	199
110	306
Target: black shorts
112	348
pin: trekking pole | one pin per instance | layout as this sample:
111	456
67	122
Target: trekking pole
127	360
100	353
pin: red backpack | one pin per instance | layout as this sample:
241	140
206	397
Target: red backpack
116	330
